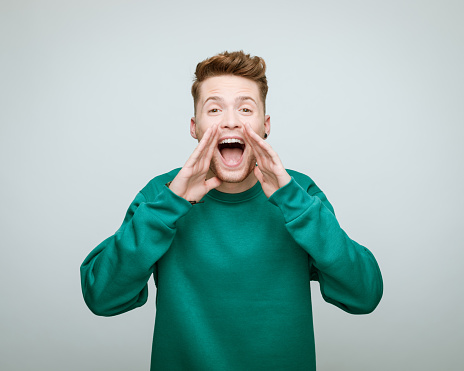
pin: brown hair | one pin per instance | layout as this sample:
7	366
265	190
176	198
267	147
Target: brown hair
233	63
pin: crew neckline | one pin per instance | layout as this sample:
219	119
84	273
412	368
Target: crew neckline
236	197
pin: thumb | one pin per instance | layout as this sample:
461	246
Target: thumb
213	183
258	174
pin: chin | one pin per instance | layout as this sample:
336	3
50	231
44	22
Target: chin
230	175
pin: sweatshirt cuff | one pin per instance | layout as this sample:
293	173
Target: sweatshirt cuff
169	207
292	200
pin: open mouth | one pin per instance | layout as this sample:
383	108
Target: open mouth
231	150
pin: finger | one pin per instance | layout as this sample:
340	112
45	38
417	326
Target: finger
267	159
259	174
209	141
212	183
259	156
204	158
200	148
266	154
254	138
212	144
260	144
251	141
254	144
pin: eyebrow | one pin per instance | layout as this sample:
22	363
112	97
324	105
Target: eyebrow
238	99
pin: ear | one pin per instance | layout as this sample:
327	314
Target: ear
193	127
267	124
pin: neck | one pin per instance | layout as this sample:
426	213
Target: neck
243	186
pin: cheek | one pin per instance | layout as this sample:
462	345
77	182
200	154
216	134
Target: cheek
205	122
201	127
258	127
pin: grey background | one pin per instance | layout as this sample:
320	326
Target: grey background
366	97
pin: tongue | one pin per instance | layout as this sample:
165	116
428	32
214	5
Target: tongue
231	155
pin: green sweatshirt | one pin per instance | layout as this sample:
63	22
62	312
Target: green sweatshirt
232	274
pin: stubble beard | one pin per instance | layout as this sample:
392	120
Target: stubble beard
232	176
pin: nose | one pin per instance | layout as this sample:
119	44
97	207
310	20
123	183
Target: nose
231	121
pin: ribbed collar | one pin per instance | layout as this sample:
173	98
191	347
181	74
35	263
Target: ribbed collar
236	197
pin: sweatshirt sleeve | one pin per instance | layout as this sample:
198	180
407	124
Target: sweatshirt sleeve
348	273
114	275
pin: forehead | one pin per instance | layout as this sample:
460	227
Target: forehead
229	86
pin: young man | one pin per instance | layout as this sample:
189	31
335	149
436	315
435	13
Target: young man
233	240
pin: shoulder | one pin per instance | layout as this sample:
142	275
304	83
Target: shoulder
154	186
310	187
305	182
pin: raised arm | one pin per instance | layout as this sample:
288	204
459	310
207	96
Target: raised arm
348	273
114	275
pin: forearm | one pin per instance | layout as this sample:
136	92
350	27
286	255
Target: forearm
114	276
348	273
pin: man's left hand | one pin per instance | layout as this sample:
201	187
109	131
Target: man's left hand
270	171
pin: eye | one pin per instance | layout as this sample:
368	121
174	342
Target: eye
246	110
214	110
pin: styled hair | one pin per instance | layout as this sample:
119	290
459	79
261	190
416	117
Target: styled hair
233	63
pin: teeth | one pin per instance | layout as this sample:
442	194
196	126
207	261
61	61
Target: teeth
233	140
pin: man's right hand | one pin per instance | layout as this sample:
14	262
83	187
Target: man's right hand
190	183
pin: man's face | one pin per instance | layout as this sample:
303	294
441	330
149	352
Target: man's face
232	102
